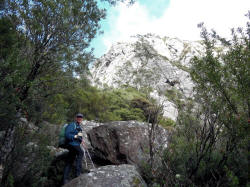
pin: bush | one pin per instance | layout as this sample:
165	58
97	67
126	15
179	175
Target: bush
99	105
167	123
210	144
29	161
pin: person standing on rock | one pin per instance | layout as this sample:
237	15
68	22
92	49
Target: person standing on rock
73	134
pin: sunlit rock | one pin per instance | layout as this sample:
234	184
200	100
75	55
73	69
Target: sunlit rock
158	63
107	176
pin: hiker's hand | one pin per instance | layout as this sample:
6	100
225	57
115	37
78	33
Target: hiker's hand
79	134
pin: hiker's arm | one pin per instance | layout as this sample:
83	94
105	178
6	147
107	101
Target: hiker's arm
70	132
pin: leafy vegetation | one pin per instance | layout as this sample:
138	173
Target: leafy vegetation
101	105
210	144
43	67
29	161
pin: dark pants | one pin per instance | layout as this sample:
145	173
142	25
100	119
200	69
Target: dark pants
75	153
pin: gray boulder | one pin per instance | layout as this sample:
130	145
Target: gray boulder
86	127
123	142
109	176
7	140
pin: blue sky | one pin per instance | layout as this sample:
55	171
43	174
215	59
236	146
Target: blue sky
154	8
173	18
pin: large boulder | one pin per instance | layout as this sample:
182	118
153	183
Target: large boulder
123	142
86	127
109	176
10	143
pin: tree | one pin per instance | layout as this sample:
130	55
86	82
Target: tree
56	33
41	39
43	51
210	146
55	37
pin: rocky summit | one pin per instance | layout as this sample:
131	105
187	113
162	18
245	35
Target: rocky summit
160	64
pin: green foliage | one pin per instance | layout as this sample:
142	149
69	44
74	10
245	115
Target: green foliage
210	144
43	64
166	122
10	181
130	104
95	104
10	72
43	48
29	161
176	97
233	180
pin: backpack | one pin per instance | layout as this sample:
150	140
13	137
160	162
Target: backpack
62	139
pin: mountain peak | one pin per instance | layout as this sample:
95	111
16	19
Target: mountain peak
149	61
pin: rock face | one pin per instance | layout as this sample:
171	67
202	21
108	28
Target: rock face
124	142
109	176
7	140
7	144
112	146
86	127
161	64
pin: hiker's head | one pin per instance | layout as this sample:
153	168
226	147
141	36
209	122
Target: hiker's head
79	117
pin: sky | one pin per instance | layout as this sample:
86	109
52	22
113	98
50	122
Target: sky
172	18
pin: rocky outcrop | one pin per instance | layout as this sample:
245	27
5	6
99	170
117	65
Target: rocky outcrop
86	127
7	140
7	144
112	147
158	63
125	142
109	176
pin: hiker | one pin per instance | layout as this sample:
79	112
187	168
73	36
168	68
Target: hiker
73	134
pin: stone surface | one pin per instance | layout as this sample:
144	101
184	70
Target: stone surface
121	142
109	176
160	63
125	142
86	127
1	172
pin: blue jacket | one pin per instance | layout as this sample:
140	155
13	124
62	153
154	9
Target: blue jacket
71	130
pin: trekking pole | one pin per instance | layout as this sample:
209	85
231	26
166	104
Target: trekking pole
84	153
90	159
88	155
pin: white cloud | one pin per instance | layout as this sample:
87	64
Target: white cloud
130	21
179	20
222	15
